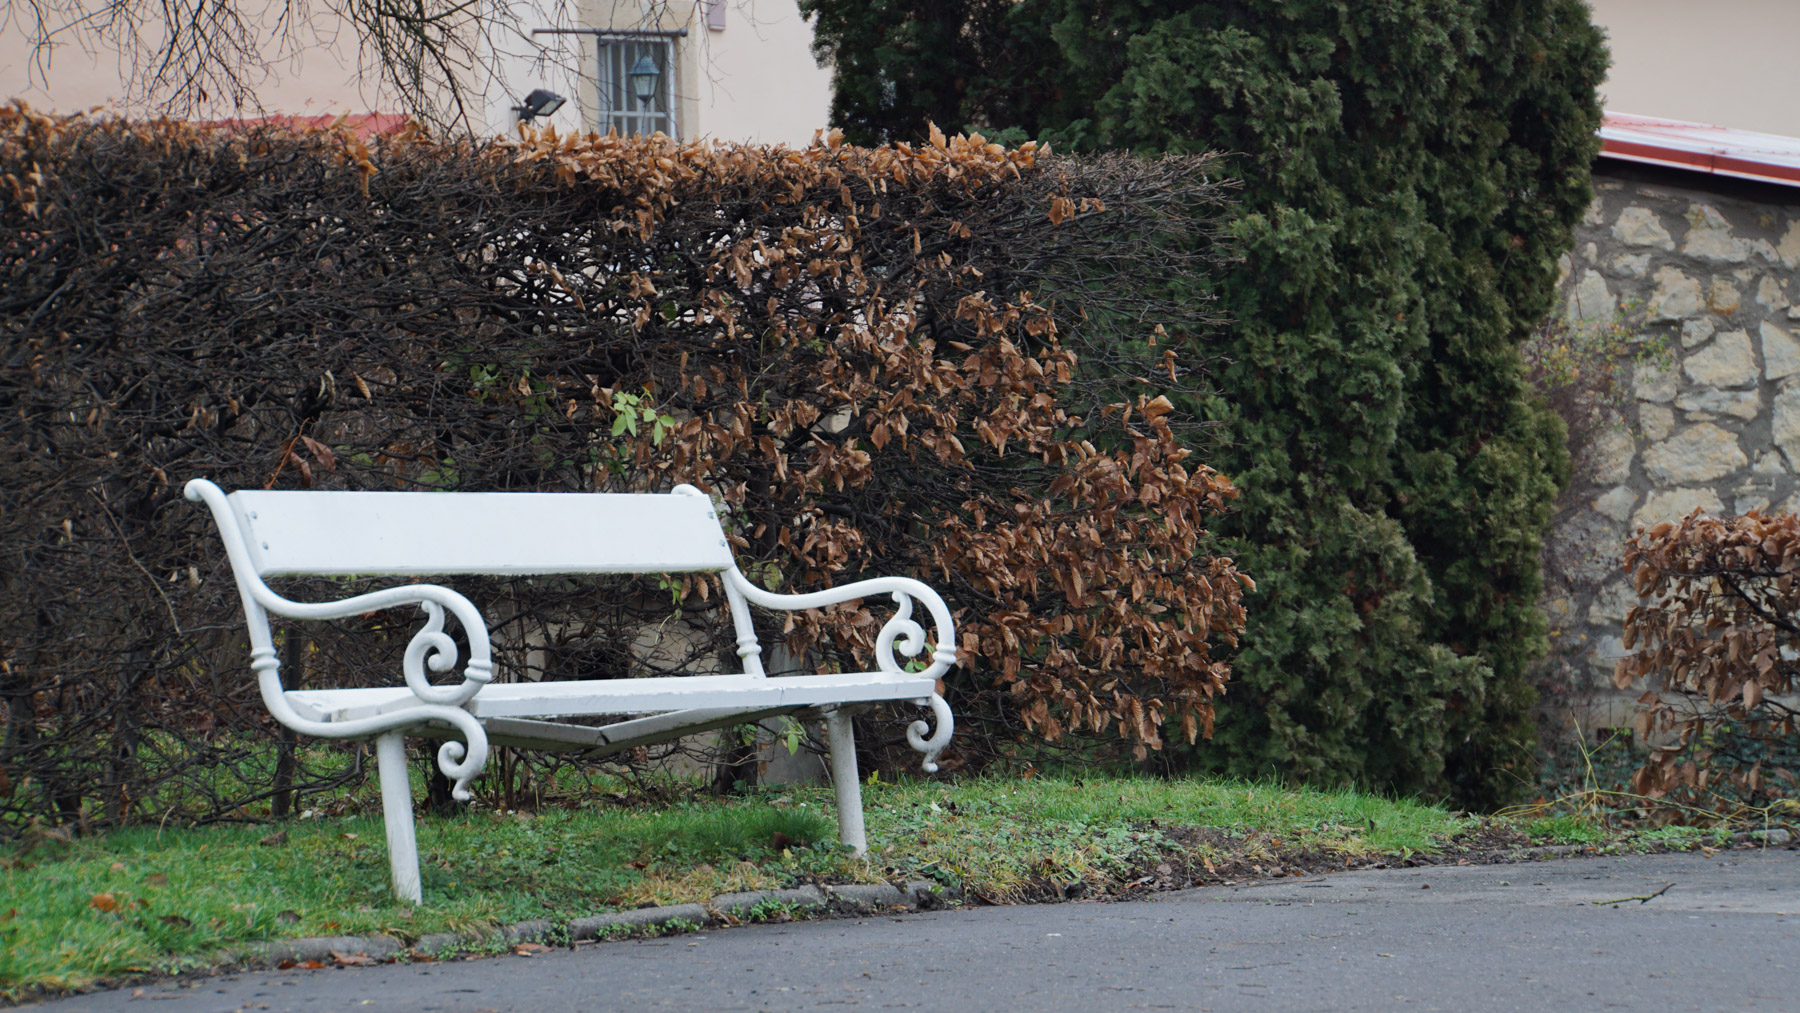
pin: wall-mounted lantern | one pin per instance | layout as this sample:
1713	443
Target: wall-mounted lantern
643	77
541	102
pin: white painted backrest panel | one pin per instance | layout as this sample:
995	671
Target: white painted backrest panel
513	533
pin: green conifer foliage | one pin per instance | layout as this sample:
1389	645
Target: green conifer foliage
1411	171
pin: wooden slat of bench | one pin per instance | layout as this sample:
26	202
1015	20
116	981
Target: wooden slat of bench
628	696
506	533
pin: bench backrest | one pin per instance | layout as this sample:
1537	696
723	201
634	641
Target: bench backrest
329	533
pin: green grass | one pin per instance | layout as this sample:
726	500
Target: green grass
997	835
1567	828
147	900
1679	837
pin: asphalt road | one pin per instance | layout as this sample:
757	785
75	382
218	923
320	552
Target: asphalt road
1724	936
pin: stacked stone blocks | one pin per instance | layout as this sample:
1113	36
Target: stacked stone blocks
1718	429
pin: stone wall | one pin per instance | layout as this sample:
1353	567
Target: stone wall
1714	266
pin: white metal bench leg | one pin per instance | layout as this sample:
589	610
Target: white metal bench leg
843	778
397	810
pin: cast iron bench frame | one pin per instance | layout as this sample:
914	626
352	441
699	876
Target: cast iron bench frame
415	534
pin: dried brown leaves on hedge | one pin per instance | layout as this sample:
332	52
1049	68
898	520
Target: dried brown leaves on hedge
945	361
1717	645
1092	588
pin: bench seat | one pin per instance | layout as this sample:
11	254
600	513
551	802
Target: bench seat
600	697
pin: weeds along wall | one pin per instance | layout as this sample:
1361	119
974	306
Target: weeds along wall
880	361
1410	174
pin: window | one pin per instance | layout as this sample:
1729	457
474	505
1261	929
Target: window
620	109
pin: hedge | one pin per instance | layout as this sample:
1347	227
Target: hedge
876	359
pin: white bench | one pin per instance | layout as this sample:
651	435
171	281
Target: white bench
413	534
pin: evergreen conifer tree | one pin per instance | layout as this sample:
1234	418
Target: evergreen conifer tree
1411	171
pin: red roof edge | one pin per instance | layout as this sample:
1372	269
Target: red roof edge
1698	147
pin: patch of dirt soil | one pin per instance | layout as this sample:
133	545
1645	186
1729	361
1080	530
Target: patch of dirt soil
1206	856
1190	856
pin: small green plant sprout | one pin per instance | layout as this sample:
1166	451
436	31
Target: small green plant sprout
675	587
1567	828
790	732
632	410
1681	837
747	734
440	475
674	926
484	377
765	574
772	910
1585	369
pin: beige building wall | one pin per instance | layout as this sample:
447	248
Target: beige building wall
1728	63
760	81
322	79
753	79
749	75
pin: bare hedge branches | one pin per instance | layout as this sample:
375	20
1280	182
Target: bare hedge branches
1722	636
942	361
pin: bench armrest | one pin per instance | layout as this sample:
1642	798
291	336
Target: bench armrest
901	632
430	648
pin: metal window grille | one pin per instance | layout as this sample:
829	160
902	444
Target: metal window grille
619	108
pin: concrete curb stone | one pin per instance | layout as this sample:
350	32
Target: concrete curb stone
644	917
1553	851
730	903
872	895
918	895
439	942
849	898
321	948
929	896
535	930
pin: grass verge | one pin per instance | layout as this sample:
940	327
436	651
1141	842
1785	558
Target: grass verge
148	901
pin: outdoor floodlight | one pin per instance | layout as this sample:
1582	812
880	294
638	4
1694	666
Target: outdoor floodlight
643	77
541	102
